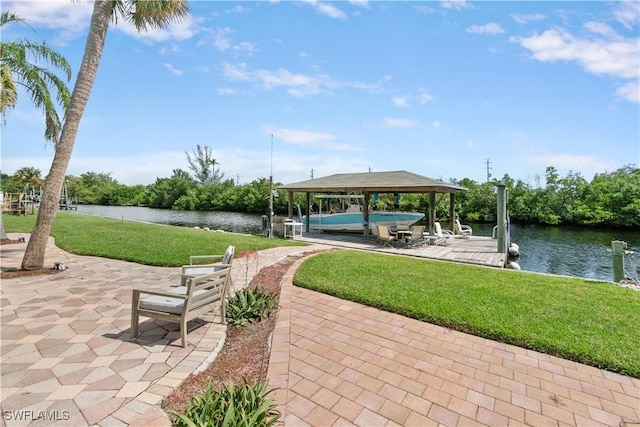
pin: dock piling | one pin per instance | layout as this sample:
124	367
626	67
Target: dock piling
617	248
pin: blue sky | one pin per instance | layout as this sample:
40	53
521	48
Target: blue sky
434	88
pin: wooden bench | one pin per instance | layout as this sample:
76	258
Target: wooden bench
200	295
196	268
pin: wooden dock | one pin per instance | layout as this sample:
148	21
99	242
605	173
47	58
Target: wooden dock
17	203
476	250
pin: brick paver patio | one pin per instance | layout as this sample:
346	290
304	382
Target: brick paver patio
67	359
66	355
338	363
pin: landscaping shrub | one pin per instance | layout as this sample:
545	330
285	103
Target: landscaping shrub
249	305
243	406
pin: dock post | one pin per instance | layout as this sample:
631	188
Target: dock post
617	248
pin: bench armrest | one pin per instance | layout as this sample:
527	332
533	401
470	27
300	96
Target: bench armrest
193	258
202	266
139	291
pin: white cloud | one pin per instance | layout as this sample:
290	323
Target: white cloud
435	124
220	38
605	53
301	136
525	19
182	30
401	102
627	13
245	47
600	28
327	9
128	169
360	3
424	97
424	9
173	70
237	9
391	122
226	91
173	49
298	85
308	138
71	19
629	91
575	162
456	4
490	28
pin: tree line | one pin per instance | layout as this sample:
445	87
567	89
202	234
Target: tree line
610	199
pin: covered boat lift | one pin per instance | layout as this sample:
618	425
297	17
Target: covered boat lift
368	183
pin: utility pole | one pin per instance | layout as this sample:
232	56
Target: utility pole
271	194
311	173
488	161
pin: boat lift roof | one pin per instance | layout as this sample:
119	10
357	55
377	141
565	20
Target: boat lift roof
380	182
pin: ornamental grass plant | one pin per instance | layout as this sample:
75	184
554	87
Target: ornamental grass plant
247	405
250	305
591	322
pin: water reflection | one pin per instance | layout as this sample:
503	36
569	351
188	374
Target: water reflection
570	251
567	251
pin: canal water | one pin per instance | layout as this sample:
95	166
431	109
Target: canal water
569	251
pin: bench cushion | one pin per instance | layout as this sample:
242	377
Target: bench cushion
168	304
163	304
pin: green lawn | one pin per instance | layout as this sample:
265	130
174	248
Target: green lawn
144	243
591	322
595	323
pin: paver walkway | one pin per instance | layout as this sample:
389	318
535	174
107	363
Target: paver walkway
339	363
66	355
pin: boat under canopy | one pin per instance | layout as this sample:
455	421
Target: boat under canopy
350	218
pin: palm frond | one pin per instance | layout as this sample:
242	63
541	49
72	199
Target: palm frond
148	14
20	62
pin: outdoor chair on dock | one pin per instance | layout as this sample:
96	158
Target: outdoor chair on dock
180	304
385	236
441	237
462	230
417	236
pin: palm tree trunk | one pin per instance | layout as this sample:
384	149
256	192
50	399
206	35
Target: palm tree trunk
35	251
3	234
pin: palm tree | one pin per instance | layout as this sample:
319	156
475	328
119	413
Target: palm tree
143	14
19	67
28	176
16	70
